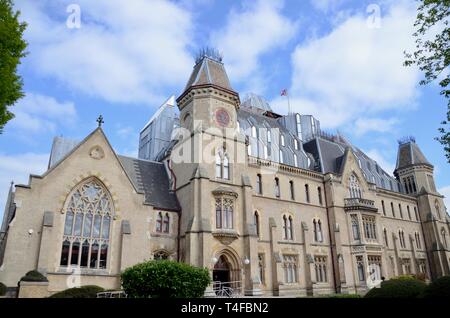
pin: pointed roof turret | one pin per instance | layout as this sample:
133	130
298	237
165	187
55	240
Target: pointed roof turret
209	70
409	154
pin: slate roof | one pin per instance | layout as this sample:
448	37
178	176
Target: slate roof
150	178
209	71
330	157
10	210
410	154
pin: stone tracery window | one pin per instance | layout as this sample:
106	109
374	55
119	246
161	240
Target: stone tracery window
320	266
355	189
222	165
290	269
224	213
87	227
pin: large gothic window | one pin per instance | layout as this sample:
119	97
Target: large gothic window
87	227
355	190
224	213
222	165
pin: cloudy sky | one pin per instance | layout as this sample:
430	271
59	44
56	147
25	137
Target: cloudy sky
341	60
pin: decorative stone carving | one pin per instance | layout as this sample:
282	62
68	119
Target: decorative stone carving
97	153
226	237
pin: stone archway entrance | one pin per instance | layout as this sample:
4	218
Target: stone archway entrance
227	275
222	272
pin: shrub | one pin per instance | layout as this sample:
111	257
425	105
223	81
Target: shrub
403	287
34	276
440	288
2	289
88	291
165	279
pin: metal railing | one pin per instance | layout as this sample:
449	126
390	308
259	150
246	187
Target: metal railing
112	294
227	289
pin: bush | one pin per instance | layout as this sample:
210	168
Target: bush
2	289
34	276
440	288
401	287
165	279
89	291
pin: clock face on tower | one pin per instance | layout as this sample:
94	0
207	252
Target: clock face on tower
222	117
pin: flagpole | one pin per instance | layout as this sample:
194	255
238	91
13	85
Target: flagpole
289	104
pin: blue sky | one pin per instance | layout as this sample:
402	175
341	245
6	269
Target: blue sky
341	61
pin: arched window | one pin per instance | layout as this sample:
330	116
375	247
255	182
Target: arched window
361	271
355	227
318	237
384	208
256	221
159	222
355	190
409	212
222	165
307	193
291	189
166	223
277	188
254	132
258	184
386	242
87	226
287	227
160	256
319	193
290	228
401	236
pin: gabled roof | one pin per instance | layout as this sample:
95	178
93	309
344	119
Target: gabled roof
151	179
409	154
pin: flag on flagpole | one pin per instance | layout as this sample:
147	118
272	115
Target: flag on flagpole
284	92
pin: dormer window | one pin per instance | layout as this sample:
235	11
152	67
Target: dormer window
282	141
254	132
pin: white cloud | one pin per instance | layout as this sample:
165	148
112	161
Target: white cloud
251	32
37	113
445	191
122	52
379	157
381	125
17	168
355	70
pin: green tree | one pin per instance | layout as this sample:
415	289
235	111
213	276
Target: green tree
432	54
12	49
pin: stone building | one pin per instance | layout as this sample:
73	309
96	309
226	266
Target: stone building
270	204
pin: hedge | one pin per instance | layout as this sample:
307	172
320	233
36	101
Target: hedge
402	287
440	288
2	289
34	276
165	279
88	291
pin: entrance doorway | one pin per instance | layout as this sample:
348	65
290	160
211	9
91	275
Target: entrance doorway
221	274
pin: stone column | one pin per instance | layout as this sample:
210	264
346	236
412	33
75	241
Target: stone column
308	260
397	256
275	257
46	242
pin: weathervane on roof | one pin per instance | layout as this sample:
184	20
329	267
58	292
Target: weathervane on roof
209	52
100	121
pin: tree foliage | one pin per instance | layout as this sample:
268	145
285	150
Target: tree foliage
165	279
89	291
402	287
12	49
432	54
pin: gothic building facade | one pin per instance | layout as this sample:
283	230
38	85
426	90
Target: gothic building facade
270	204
